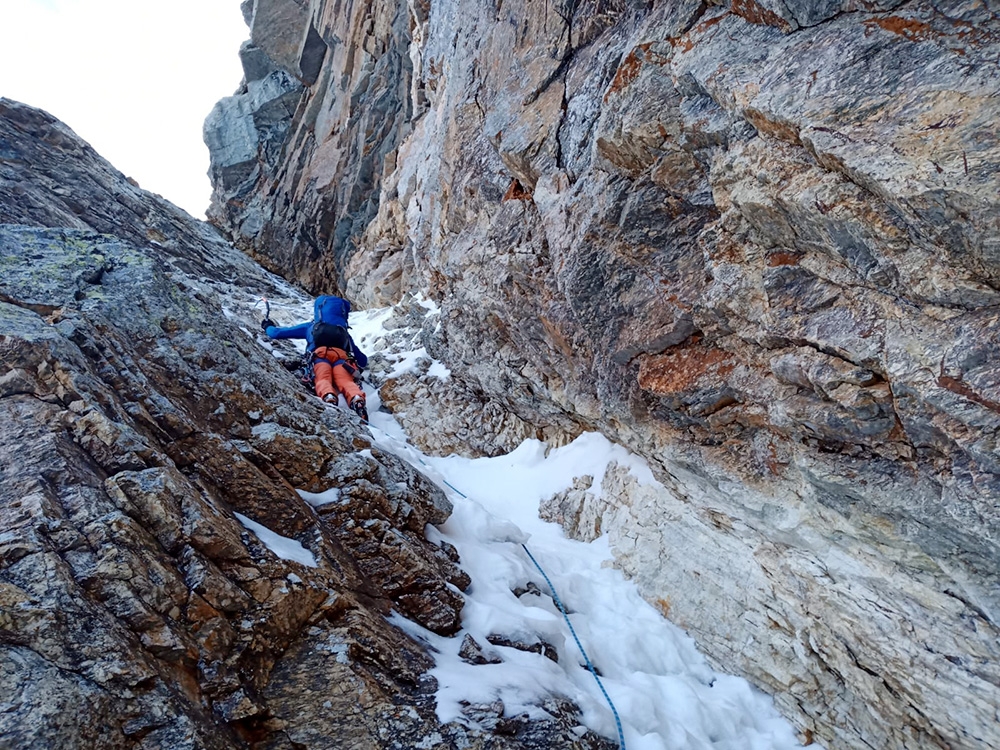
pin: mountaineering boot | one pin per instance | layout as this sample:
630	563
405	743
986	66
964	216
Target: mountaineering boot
358	405
330	398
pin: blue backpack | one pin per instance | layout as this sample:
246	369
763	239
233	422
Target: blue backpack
330	309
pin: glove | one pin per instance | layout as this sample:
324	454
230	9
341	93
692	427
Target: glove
265	323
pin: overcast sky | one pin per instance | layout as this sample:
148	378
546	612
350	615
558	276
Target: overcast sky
134	78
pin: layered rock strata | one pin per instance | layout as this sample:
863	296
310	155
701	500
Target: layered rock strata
757	242
147	437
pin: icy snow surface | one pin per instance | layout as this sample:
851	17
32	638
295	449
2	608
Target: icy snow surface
665	693
332	495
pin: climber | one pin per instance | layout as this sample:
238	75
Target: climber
334	357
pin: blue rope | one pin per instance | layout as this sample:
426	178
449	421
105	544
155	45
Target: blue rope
590	666
449	484
558	601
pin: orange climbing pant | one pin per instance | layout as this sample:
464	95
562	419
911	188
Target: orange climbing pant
327	377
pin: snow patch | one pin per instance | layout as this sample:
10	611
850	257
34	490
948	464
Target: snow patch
439	370
368	325
665	692
331	495
407	362
428	304
282	546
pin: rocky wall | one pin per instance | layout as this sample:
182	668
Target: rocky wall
144	432
756	242
324	102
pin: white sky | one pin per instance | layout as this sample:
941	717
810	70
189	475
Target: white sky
134	78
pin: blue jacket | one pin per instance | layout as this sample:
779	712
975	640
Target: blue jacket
333	310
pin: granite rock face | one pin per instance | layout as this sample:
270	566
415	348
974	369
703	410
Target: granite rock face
145	433
324	102
757	242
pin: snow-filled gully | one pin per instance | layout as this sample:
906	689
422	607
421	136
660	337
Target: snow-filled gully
666	694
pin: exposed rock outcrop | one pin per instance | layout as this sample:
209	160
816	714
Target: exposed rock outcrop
328	159
466	420
757	242
147	438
